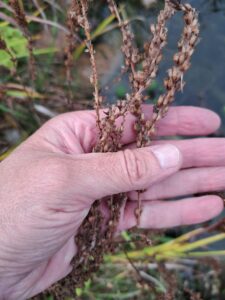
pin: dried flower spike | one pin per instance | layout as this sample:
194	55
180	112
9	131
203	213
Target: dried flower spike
20	17
92	241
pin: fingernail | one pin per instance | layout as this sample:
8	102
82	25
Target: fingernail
168	156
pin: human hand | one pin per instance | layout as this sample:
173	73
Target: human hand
49	183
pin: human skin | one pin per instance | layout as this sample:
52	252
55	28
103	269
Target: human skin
49	183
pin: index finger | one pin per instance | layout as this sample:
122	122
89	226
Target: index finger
79	128
182	120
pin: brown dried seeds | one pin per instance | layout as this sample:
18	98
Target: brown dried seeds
92	241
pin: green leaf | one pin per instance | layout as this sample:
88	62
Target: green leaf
79	292
17	45
5	60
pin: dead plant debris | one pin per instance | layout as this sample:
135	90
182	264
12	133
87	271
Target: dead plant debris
92	241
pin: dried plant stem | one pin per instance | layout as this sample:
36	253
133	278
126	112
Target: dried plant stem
131	53
80	13
73	28
94	77
152	58
92	240
4	47
174	82
143	79
22	23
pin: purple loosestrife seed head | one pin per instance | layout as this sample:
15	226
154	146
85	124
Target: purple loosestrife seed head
92	241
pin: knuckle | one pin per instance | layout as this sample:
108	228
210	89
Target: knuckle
135	167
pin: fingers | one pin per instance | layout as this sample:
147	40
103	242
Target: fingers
186	182
182	120
202	152
97	175
76	132
159	214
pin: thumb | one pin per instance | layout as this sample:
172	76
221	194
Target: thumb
102	174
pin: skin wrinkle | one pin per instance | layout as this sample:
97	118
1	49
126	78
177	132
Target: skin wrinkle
134	168
85	140
90	141
56	140
20	282
85	135
65	142
187	124
51	143
98	166
23	285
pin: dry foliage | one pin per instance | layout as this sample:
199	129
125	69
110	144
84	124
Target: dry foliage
92	241
21	21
